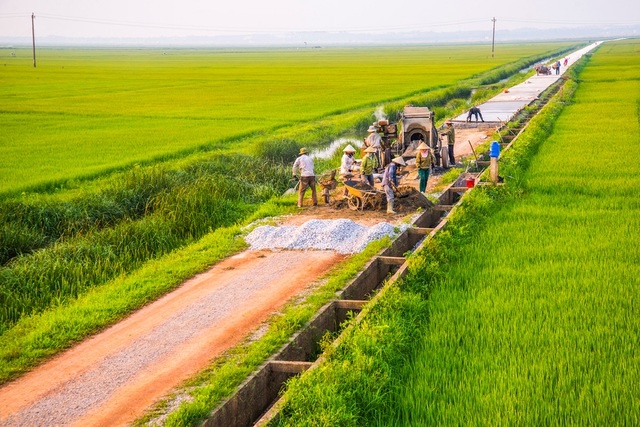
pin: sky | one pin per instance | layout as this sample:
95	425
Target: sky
178	18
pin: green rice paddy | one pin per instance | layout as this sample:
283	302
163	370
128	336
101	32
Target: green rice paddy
83	112
536	322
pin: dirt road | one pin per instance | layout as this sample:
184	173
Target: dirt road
111	378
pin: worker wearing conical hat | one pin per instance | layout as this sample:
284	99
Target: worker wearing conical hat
424	160
390	181
347	165
369	163
304	166
375	140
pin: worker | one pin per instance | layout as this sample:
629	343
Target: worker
304	166
369	163
390	181
556	66
475	111
347	166
449	132
374	140
424	161
566	61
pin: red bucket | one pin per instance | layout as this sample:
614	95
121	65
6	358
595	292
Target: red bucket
471	182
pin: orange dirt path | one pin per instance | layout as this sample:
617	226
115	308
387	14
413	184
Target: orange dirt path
123	370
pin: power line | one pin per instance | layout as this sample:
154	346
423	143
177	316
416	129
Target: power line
251	30
568	22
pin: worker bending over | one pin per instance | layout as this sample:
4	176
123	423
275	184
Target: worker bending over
304	166
474	111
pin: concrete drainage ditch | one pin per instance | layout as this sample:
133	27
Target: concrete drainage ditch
253	402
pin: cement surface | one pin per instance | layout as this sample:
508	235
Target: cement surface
504	106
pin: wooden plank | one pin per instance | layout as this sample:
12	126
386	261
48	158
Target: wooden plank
443	207
351	304
420	230
289	367
392	260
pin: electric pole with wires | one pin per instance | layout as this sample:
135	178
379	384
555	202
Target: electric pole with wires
493	38
33	37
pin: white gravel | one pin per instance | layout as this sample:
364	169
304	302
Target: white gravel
341	235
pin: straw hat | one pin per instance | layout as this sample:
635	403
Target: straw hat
399	161
303	151
370	150
349	149
372	129
423	146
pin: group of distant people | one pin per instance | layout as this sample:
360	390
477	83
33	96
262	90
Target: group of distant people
303	167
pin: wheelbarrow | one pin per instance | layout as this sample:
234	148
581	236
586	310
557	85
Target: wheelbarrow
328	184
361	196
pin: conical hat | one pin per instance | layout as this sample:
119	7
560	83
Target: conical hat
399	160
423	146
370	150
349	149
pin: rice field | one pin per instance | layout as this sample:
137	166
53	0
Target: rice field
536	321
82	112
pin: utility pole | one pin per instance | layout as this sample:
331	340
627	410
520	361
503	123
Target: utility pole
493	39
33	37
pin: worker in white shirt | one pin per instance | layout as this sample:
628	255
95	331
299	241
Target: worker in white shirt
304	166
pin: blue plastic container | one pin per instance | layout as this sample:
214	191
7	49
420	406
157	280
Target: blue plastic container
495	149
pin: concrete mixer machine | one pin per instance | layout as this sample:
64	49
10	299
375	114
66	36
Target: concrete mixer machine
414	126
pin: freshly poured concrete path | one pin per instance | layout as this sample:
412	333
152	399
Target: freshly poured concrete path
504	106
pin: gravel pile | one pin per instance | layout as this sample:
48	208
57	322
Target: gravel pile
340	235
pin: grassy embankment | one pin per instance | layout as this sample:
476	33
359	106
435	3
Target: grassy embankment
163	207
526	303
